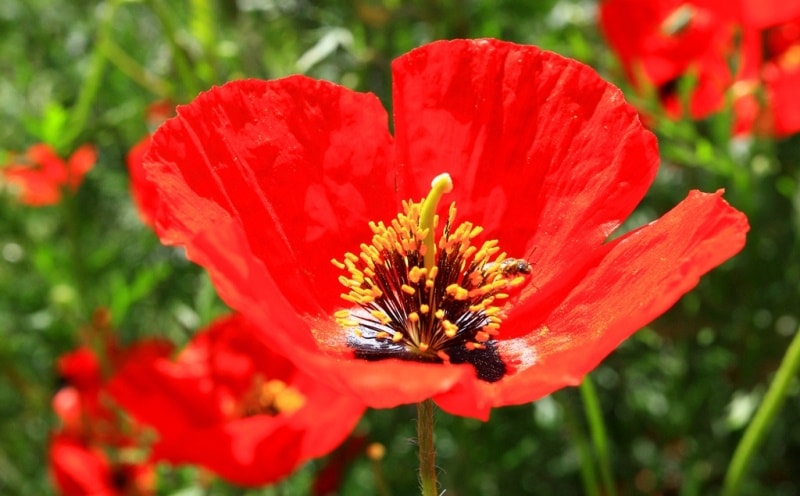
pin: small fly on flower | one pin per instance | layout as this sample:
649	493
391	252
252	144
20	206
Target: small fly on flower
512	267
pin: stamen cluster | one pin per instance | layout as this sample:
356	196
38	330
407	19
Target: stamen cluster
271	398
404	309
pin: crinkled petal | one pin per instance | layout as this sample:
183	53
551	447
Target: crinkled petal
641	276
297	166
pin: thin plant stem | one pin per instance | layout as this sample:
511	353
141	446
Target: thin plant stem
191	82
427	451
597	429
762	420
380	479
591	486
135	71
91	86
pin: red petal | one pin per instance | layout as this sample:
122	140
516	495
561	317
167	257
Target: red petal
191	403
544	154
39	177
659	41
143	191
81	162
783	94
766	13
297	166
51	165
78	470
640	277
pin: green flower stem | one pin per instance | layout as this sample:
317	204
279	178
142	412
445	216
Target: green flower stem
135	71
598	432
440	185
191	83
762	421
427	451
203	28
91	86
381	485
591	486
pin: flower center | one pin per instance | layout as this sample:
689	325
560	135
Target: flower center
425	300
271	398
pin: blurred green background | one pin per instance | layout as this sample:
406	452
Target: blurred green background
675	398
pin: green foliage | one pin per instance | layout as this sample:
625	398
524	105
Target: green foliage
675	398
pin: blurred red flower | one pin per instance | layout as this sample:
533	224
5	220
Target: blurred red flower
229	404
264	182
92	427
661	41
780	73
80	468
730	48
41	174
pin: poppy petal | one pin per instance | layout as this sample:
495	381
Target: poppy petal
641	276
299	166
80	162
543	152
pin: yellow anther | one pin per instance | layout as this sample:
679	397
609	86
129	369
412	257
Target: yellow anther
424	309
423	347
381	316
341	314
450	329
339	265
413	317
482	336
397	337
439	314
408	289
350	298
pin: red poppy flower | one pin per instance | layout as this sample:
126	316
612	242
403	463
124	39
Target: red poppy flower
264	182
233	406
41	174
91	427
80	469
660	41
781	75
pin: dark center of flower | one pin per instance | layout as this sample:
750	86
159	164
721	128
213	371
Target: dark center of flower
425	300
271	398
